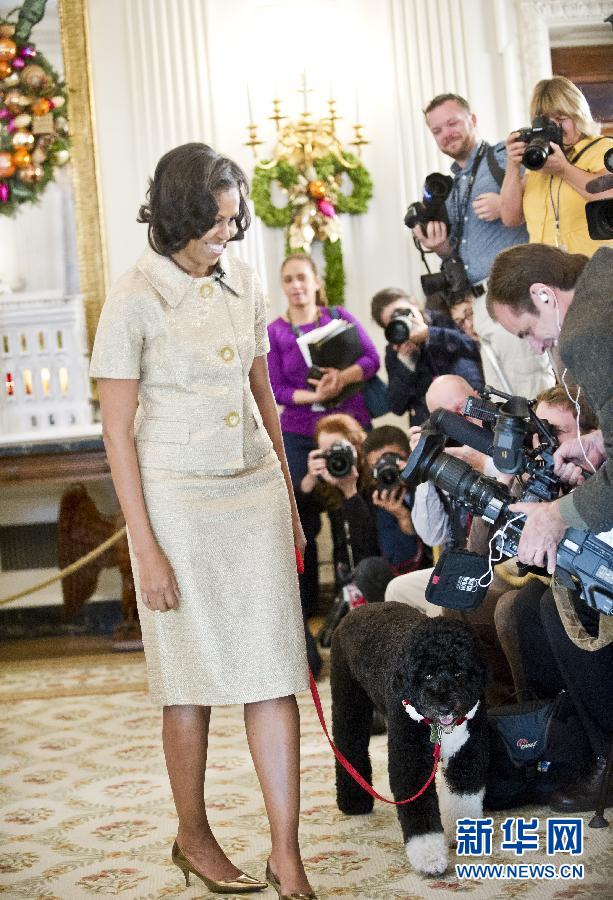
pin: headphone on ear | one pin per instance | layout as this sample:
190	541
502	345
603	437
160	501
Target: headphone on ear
544	296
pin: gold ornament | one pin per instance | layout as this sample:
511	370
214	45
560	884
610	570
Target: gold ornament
22	121
5	69
11	80
7	30
8	48
38	156
13	101
317	189
35	78
41	107
30	174
21	157
7	167
22	139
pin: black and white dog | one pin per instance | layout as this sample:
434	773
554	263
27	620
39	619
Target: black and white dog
417	670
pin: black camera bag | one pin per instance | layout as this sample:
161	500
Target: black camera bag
535	749
454	583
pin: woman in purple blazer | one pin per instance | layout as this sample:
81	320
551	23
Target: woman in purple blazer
302	398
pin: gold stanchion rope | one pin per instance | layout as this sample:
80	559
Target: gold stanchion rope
73	567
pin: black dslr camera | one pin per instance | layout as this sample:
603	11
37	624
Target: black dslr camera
386	472
340	459
437	188
599	213
398	329
452	279
584	562
538	138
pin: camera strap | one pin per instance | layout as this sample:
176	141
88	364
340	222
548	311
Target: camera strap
463	209
556	209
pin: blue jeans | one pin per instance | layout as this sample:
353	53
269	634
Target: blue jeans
297	449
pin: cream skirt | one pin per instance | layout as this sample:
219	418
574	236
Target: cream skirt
238	635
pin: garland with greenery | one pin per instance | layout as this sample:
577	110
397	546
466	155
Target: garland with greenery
315	199
33	123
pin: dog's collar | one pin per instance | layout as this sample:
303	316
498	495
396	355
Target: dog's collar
435	727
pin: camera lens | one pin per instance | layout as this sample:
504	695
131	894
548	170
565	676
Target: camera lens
599	215
536	153
386	472
340	460
397	331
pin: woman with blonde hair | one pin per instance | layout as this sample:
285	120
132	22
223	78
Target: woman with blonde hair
551	200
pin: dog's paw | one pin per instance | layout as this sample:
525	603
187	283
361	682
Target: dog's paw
428	853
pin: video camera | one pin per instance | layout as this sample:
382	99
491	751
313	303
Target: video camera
599	213
584	562
538	138
432	208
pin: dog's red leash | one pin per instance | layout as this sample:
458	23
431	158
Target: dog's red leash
436	752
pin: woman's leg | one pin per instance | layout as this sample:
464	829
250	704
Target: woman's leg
185	734
273	733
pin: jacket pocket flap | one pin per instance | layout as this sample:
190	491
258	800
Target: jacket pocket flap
167	431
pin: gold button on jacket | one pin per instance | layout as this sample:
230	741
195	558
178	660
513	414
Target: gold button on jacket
192	359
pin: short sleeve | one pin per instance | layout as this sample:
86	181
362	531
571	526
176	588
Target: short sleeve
119	340
262	343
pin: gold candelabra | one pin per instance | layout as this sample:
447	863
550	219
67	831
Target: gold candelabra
305	139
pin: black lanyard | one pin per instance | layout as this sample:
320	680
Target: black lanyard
466	199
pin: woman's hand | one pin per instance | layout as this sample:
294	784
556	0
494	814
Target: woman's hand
348	485
556	163
158	585
515	150
326	387
487	207
414	436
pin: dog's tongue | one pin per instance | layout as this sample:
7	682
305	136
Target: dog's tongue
445	720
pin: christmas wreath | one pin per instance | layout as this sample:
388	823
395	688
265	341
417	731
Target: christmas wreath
33	123
315	199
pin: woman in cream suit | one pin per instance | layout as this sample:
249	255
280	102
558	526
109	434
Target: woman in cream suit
194	445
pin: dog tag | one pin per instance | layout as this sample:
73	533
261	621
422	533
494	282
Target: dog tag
435	733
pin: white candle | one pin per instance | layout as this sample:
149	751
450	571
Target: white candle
357	108
249	107
304	90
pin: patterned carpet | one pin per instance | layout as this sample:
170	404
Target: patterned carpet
85	807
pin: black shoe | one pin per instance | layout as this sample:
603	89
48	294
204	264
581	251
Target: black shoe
582	796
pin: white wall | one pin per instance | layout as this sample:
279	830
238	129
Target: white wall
180	69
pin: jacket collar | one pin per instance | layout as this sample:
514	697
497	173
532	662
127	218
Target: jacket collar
170	281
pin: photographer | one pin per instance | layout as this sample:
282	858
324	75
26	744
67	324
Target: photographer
387	449
426	352
542	657
552	298
551	199
339	484
476	235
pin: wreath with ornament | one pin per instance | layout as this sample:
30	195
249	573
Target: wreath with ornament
315	200
33	123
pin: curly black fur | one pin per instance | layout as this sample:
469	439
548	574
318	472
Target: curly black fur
382	654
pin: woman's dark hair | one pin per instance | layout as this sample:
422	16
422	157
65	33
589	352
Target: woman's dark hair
181	204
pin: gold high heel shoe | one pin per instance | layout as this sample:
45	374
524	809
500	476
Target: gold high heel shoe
272	878
241	885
